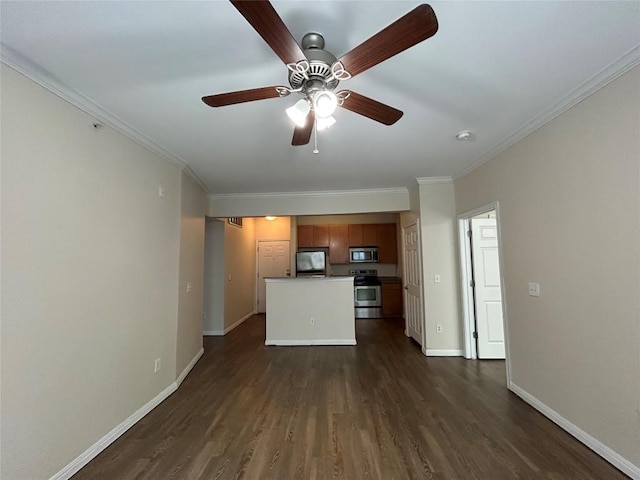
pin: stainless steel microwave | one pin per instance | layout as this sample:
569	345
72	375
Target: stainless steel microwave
363	255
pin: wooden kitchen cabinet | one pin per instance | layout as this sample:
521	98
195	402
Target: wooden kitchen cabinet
340	237
339	243
392	299
313	235
321	235
369	235
305	235
387	243
355	235
363	235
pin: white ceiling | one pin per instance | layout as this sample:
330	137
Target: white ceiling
499	69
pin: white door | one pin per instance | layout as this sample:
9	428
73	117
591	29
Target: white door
488	297
273	261
412	290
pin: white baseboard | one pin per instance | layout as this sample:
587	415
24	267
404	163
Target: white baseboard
213	333
307	343
94	450
220	333
594	444
189	367
435	352
239	322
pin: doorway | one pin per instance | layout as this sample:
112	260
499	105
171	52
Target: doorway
273	261
484	310
412	284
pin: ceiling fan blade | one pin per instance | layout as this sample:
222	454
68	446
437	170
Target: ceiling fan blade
302	135
416	26
266	21
241	96
371	108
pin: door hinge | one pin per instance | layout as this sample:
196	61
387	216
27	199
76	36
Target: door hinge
472	284
475	334
469	233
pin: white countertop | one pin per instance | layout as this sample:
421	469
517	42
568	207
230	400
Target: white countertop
347	278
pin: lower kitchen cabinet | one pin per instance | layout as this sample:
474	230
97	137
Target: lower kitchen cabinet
392	299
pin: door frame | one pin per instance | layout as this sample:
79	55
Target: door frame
261	240
423	317
466	275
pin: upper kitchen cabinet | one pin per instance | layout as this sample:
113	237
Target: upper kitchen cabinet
363	235
305	235
342	236
339	243
387	243
321	236
313	235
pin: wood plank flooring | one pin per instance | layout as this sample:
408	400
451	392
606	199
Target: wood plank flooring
380	410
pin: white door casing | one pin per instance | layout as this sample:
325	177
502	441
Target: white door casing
412	288
488	297
273	261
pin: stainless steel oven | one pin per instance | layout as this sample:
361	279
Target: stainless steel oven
367	294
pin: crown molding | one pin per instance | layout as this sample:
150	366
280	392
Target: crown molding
433	180
612	71
323	194
45	79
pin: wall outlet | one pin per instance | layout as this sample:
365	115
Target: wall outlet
160	191
438	328
156	366
312	321
534	289
189	287
436	279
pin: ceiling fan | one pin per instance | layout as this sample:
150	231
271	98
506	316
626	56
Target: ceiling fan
315	73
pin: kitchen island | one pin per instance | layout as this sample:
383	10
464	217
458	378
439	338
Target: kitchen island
310	311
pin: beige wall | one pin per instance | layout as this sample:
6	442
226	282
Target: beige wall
569	199
278	229
190	303
240	266
309	203
439	251
90	260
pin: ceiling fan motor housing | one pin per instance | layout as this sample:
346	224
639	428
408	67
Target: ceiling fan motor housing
320	62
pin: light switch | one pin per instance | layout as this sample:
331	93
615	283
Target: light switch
189	287
534	289
436	279
160	191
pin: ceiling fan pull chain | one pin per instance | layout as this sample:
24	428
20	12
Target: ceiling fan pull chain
315	138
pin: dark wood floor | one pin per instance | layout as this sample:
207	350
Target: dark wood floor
380	410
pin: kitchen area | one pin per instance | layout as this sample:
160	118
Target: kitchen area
347	269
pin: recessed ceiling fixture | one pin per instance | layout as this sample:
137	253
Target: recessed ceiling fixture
271	218
464	135
315	73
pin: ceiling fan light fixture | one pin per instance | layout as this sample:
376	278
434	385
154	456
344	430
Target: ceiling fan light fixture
323	123
299	111
324	103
